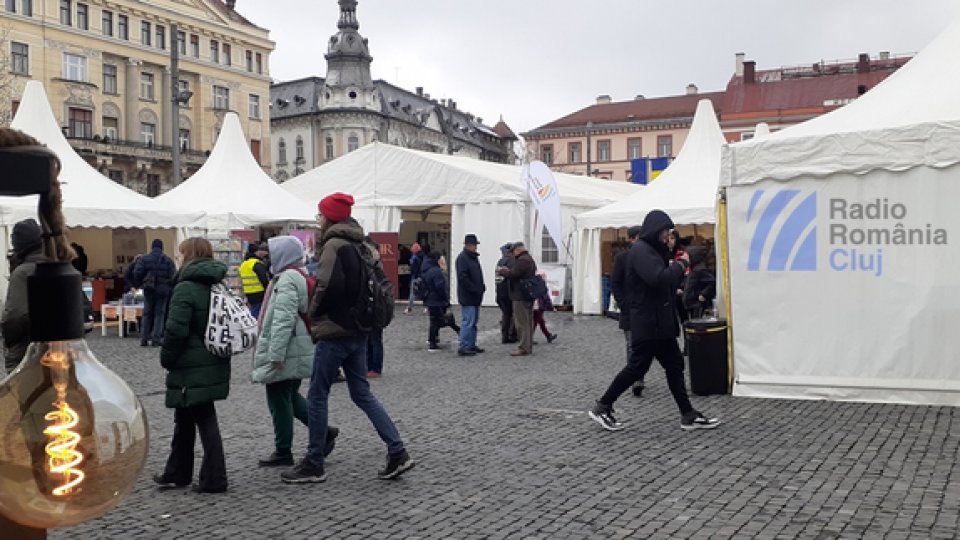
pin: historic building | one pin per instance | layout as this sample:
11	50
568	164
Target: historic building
106	67
314	120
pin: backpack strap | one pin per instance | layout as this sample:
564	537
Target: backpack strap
303	315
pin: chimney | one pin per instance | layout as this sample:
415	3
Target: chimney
739	65
480	120
443	102
452	103
603	99
639	97
863	63
232	4
426	96
861	89
419	92
691	89
749	72
884	55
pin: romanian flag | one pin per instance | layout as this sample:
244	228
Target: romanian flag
657	166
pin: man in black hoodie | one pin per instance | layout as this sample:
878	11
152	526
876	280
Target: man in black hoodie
618	285
652	281
508	332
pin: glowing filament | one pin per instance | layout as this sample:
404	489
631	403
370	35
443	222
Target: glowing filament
62	448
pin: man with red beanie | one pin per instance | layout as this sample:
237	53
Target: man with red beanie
340	343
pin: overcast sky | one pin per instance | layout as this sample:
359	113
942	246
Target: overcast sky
533	61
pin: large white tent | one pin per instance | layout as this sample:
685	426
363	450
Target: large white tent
233	190
486	199
686	191
840	231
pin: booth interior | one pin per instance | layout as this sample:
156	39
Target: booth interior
428	226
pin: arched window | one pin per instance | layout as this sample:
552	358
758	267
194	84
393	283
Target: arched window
299	148
282	151
353	142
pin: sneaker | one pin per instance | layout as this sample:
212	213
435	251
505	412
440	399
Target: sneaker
433	348
551	338
373	374
638	389
407	311
696	420
603	415
332	434
276	459
476	349
466	352
397	464
303	473
163	483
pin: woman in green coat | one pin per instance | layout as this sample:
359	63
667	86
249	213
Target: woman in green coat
195	377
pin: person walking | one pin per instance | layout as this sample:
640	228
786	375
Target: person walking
618	286
652	279
154	272
339	342
416	260
284	353
523	269
27	242
541	305
508	332
437	300
374	338
255	275
470	289
196	378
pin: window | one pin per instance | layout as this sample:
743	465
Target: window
249	60
116	176
254	106
633	148
161	37
66	11
548	248
122	27
106	22
27	8
299	149
11	5
221	98
145	33
182	43
80	123
546	154
255	149
574	151
329	148
109	79
603	150
214	51
19	58
184	87
227	60
111	128
146	86
194	45
153	185
664	145
259	63
746	135
353	142
282	152
83	22
148	133
74	67
184	139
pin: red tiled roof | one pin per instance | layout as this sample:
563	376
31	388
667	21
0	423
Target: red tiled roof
503	130
638	109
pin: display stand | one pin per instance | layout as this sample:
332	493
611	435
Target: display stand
229	250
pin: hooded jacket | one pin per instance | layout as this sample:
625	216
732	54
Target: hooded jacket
618	286
194	374
436	284
160	266
470	287
339	273
699	282
502	283
652	281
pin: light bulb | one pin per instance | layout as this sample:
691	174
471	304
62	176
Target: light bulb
73	435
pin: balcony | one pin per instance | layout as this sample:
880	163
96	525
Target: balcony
134	150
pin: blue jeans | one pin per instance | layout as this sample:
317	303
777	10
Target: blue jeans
351	354
468	326
375	352
255	310
154	315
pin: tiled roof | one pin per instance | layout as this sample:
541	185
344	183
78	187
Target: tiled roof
295	98
639	109
504	131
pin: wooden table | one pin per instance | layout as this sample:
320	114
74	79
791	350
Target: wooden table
123	314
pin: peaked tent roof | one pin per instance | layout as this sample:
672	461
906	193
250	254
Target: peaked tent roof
686	190
89	198
381	174
910	119
232	188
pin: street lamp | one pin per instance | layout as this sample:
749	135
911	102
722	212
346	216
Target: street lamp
589	129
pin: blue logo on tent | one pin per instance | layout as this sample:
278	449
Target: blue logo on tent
797	235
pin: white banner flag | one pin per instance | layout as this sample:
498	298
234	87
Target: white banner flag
542	187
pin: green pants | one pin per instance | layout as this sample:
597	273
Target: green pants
285	403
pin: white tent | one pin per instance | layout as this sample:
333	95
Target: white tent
686	191
840	229
487	199
233	190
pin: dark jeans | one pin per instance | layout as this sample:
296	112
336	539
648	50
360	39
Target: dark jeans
213	468
508	332
539	320
154	315
438	320
375	352
642	354
285	404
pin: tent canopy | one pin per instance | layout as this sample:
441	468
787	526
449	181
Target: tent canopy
232	188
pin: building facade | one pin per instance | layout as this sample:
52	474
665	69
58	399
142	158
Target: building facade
314	120
106	67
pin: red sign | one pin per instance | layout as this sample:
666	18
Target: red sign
389	256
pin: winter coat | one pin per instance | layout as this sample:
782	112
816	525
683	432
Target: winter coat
523	269
160	266
284	337
339	272
502	283
16	317
194	375
618	286
436	283
415	264
699	282
652	282
470	287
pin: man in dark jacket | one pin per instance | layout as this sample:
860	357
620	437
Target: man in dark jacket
699	288
437	300
154	272
340	343
652	281
470	289
27	252
416	262
508	332
523	269
618	285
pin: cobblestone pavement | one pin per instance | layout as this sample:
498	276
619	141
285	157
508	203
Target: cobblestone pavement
504	449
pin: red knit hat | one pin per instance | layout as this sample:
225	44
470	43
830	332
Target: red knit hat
336	207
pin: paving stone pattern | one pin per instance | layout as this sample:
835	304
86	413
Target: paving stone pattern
504	449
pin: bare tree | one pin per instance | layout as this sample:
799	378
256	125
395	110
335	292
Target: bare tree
7	79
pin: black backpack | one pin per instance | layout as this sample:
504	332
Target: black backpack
374	308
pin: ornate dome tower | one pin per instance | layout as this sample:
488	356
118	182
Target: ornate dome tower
348	82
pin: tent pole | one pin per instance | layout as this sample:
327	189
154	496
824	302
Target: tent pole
724	253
